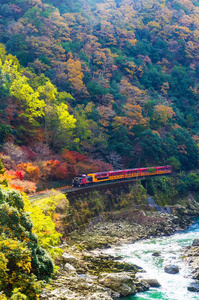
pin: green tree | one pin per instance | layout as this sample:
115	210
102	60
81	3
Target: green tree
174	162
96	90
187	149
151	144
18	274
16	224
193	181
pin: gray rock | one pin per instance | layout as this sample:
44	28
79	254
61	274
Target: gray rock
142	286
59	293
67	258
119	282
193	287
195	274
77	263
156	254
171	269
69	268
152	282
195	242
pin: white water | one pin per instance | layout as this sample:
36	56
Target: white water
173	286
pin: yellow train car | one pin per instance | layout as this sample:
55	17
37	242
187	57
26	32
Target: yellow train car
83	180
99	177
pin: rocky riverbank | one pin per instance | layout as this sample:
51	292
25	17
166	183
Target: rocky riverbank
191	256
87	274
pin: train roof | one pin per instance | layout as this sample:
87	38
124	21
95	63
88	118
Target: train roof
136	169
99	173
126	170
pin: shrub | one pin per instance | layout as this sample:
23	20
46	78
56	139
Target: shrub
16	225
17	270
72	157
89	165
53	170
45	220
23	186
31	172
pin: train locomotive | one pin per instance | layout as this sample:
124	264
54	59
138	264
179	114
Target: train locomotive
84	180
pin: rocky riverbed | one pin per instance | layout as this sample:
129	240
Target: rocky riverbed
85	273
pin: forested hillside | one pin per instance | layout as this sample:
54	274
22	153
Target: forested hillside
115	80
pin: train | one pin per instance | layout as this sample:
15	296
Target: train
83	180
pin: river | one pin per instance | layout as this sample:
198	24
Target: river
173	287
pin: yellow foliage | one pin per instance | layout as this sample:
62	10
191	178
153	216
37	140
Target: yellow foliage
132	41
21	90
42	215
163	114
48	92
154	24
133	117
67	121
3	297
2	51
75	74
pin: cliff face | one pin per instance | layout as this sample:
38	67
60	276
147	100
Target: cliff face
116	201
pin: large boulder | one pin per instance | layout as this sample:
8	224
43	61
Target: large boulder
152	282
119	282
195	243
195	273
67	258
77	263
142	286
193	287
156	254
69	268
171	269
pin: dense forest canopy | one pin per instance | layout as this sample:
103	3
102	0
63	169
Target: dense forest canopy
116	80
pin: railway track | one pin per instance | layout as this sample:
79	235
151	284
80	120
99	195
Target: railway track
93	186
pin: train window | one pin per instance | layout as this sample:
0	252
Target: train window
90	178
101	175
132	172
116	173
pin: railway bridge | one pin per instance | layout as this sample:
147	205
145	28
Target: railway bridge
71	191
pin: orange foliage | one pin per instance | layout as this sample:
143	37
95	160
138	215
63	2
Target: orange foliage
75	75
12	174
89	165
31	172
15	181
54	169
134	94
72	157
23	186
133	117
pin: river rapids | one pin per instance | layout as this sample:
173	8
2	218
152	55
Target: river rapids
173	286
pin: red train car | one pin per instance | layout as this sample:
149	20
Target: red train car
92	178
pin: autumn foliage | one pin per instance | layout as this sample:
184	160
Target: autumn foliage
96	78
26	175
22	261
